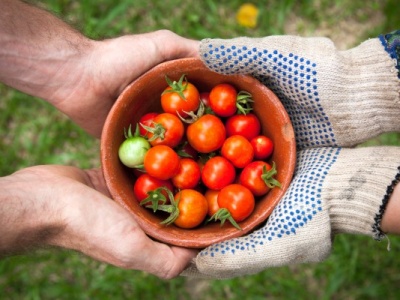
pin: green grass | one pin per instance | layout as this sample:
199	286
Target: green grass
32	132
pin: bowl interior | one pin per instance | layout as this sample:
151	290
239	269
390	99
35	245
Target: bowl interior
142	96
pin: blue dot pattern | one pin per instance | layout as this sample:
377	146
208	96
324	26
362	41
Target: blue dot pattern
299	206
293	78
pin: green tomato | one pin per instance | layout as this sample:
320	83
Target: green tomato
132	151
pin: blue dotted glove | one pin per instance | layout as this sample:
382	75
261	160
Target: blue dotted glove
334	99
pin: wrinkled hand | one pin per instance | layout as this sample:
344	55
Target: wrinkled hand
43	56
108	66
70	208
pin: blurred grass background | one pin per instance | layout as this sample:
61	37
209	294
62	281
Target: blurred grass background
32	132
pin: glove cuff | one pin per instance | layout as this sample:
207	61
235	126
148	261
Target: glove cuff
358	189
378	219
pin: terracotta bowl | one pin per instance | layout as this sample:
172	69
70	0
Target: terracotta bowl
142	96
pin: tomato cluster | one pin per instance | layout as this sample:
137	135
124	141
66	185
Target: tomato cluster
202	155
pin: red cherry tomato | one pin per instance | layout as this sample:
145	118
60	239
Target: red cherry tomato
161	162
188	176
238	200
263	147
167	129
212	199
217	173
246	125
258	177
146	183
148	192
223	100
193	208
207	134
205	98
238	150
146	120
180	97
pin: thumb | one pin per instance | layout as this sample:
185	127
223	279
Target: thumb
172	46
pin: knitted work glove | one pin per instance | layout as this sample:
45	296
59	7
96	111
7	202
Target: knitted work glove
334	99
335	190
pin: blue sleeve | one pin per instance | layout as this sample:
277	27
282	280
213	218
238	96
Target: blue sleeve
391	42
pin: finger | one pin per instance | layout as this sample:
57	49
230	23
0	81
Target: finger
163	260
172	46
117	239
111	234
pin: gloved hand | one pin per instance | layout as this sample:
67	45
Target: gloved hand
335	99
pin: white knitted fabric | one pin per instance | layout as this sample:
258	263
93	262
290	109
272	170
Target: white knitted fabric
334	190
335	99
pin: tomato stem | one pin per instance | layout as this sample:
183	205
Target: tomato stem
193	116
154	199
268	176
128	134
243	102
172	208
177	87
157	130
181	150
223	214
173	211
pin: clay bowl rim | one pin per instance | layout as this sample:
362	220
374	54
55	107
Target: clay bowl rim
115	173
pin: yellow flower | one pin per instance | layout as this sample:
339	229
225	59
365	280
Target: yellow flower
247	15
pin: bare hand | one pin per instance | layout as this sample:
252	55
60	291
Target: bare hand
68	207
109	67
